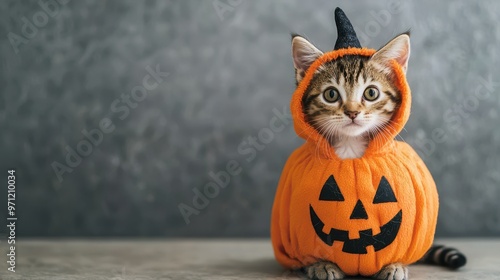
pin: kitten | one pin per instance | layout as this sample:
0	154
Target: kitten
352	98
349	101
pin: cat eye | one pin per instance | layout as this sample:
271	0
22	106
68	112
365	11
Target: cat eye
331	95
371	93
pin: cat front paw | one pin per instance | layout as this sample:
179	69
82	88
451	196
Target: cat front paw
324	271
394	271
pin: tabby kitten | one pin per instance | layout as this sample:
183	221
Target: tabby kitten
348	101
352	98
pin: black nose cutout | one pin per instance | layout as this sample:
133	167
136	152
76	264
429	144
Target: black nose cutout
359	211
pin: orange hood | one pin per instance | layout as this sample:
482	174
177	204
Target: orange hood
382	141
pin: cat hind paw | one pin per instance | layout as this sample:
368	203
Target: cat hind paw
324	271
395	271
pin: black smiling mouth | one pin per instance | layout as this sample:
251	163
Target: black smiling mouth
388	233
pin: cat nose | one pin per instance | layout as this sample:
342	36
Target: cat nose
351	114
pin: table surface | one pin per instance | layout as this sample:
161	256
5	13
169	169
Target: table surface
200	259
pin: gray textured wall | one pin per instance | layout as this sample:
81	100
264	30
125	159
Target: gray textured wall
229	74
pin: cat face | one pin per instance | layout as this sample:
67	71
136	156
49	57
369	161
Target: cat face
350	97
353	95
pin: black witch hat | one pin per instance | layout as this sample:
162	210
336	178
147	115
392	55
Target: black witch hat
346	35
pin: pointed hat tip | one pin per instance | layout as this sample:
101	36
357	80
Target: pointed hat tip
338	10
346	34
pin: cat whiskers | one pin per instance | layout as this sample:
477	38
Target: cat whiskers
380	128
390	127
390	124
319	124
328	127
313	124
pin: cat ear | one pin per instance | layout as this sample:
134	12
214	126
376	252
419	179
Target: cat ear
397	49
304	54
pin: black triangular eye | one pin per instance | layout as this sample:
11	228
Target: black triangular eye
384	192
331	191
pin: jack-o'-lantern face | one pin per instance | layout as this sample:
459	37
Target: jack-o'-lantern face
388	231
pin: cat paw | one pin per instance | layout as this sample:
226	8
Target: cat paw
324	271
394	271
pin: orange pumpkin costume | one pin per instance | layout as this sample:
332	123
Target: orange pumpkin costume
362	213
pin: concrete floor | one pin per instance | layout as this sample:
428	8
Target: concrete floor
199	259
